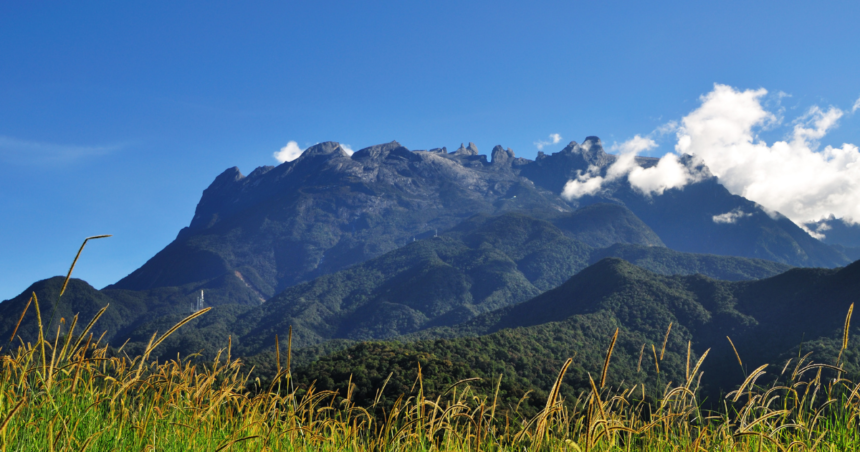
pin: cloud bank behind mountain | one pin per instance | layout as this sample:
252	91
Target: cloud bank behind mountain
792	176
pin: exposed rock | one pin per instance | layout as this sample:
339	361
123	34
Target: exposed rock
328	210
502	157
467	151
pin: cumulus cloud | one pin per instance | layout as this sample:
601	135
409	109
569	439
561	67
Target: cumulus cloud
793	176
289	152
731	217
554	138
587	183
669	172
347	148
790	176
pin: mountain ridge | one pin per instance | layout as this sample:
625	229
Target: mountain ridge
485	263
525	343
327	210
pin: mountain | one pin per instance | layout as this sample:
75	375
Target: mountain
485	263
129	311
702	217
840	233
527	343
80	298
328	210
288	244
670	262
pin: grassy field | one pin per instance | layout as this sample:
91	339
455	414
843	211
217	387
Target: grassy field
76	394
72	392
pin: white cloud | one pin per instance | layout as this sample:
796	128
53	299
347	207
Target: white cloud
856	105
636	145
585	184
823	227
15	150
627	152
814	233
816	230
665	129
730	217
347	148
820	120
289	152
792	176
554	138
668	173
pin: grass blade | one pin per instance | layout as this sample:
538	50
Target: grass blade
69	275
738	356
665	339
656	361
12	413
606	361
12	338
176	327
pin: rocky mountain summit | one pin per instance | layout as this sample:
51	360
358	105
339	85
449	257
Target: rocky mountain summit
327	210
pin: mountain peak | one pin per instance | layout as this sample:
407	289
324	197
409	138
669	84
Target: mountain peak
471	149
223	186
380	150
590	151
326	148
229	176
501	156
592	141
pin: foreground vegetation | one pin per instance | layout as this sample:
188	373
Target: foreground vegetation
74	393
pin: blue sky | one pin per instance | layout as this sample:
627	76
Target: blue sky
114	116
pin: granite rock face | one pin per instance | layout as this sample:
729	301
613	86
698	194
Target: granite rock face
328	210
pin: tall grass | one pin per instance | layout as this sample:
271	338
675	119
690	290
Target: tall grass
73	393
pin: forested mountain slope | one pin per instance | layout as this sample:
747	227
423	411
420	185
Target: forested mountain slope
527	343
486	263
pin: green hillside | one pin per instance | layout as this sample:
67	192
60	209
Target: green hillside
526	343
666	261
486	263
